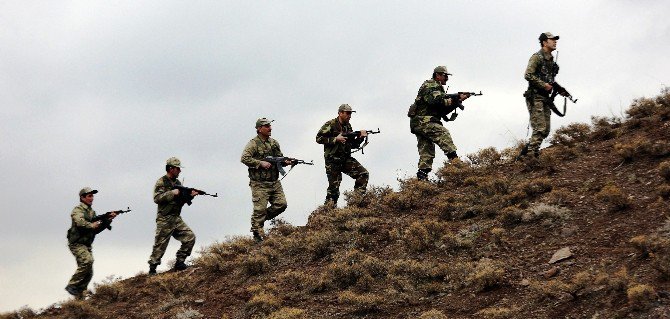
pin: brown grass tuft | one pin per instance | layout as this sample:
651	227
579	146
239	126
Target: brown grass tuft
288	313
485	157
361	303
537	186
571	134
433	314
487	274
664	170
641	296
78	309
262	304
614	197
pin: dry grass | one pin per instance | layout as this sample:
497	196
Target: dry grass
487	274
433	314
77	309
571	134
641	296
24	313
614	198
542	211
537	186
262	304
288	313
360	303
664	170
485	157
175	284
497	312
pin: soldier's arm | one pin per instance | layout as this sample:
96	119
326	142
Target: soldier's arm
531	69
248	156
279	153
79	220
162	193
325	136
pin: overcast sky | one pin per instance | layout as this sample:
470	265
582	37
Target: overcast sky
101	93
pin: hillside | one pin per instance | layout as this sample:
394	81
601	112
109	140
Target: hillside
475	243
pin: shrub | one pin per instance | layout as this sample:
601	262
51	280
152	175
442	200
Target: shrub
77	309
664	170
543	211
175	284
660	148
321	244
288	313
295	280
664	191
262	304
485	157
420	236
432	314
189	314
614	197
24	313
255	264
641	108
281	227
558	197
571	134
640	296
641	244
537	186
487	274
616	282
511	216
628	151
361	303
605	128
497	312
110	290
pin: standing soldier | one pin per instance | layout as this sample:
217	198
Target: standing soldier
429	105
264	177
168	220
540	75
80	237
337	154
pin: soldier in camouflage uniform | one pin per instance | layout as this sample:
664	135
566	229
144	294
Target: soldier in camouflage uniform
168	220
425	113
337	154
540	74
80	237
264	178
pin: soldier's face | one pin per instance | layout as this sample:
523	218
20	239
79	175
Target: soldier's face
174	171
550	44
344	116
442	78
265	130
87	199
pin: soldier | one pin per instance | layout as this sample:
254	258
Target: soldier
337	154
429	105
540	74
80	237
168	220
264	177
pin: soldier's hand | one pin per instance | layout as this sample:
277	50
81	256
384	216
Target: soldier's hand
463	97
96	224
548	87
265	164
341	138
194	193
112	215
175	192
364	133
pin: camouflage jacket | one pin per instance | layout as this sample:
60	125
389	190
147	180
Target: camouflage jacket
255	151
168	202
431	100
331	148
541	70
81	231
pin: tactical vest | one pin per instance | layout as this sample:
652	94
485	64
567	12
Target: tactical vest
421	106
262	151
174	207
546	72
80	235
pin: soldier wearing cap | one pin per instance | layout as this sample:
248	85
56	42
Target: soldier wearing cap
425	114
540	74
263	177
337	154
168	220
80	238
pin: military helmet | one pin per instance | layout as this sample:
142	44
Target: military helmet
441	69
263	121
345	108
87	190
174	162
547	35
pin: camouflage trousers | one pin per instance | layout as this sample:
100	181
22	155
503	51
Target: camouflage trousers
82	276
263	193
171	226
350	166
540	120
428	133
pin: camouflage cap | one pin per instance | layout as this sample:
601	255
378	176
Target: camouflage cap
263	121
173	161
547	35
441	69
87	190
345	108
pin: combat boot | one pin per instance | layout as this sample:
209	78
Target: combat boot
422	174
259	235
74	292
152	269
180	265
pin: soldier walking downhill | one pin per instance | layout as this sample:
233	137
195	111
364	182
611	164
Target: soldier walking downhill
80	238
540	74
264	177
429	105
168	220
337	154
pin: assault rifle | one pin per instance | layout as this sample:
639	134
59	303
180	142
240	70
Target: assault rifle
185	193
557	89
352	136
106	220
280	160
456	103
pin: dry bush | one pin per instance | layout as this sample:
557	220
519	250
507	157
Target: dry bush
628	151
536	186
454	175
189	314
616	282
497	312
288	313
660	148
361	303
664	170
354	269
262	304
321	244
542	211
487	274
433	314
558	197
254	264
605	128
174	283
571	134
510	216
423	235
365	226
497	234
110	290
494	186
641	296
642	244
295	280
641	108
281	228
24	313
552	290
412	194
78	309
220	257
485	157
664	191
614	197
